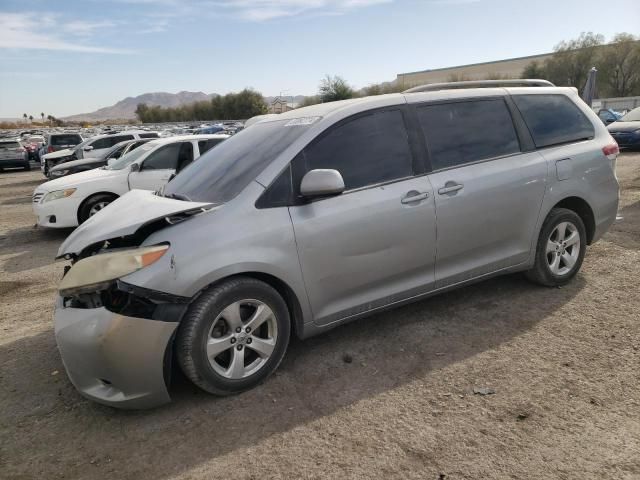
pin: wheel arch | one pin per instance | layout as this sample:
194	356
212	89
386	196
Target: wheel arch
84	202
284	290
582	208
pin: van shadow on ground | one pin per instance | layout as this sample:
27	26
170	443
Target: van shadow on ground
53	431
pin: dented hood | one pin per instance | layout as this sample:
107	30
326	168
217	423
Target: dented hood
124	217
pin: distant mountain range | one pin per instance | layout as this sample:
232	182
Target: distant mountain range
125	109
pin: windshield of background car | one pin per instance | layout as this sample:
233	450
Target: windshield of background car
632	116
224	171
126	160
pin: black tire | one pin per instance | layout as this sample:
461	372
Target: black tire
84	212
27	167
196	327
541	272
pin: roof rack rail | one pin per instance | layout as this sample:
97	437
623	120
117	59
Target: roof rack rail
481	84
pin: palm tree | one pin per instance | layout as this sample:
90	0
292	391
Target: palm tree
24	115
42	116
30	118
50	118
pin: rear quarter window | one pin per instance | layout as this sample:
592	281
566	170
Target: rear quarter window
553	119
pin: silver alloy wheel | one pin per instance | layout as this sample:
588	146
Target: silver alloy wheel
563	248
242	338
97	207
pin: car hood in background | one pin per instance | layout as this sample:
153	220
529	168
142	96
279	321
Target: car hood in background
77	179
65	152
623	126
87	162
124	217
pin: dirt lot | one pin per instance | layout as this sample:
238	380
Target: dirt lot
564	364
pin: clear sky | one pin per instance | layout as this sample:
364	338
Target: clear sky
63	57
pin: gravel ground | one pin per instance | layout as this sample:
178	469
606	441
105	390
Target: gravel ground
563	364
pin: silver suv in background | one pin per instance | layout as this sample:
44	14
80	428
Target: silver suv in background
322	215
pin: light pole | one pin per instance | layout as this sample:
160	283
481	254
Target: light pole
287	101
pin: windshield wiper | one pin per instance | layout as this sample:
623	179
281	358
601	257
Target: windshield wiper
177	196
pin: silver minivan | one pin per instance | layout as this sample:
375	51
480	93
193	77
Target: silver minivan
322	215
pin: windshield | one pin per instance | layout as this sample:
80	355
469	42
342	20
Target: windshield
224	171
632	116
126	160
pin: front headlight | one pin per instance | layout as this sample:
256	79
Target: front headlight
97	272
59	173
58	194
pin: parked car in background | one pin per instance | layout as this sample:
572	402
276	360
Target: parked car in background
626	130
209	129
115	152
322	215
13	154
91	148
608	115
32	144
60	141
71	200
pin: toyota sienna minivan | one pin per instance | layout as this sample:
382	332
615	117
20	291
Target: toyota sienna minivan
322	215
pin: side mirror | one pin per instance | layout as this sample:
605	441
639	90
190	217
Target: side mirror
135	167
88	148
321	183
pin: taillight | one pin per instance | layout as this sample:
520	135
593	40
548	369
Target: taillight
611	151
49	149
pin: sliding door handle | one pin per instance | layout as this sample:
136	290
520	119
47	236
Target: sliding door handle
414	196
450	187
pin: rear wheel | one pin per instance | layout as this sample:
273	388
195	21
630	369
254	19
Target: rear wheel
27	166
93	205
233	336
560	249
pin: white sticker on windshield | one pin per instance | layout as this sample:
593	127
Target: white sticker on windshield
301	121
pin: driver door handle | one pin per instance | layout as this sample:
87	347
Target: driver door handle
414	196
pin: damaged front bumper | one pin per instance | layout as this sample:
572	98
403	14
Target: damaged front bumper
117	359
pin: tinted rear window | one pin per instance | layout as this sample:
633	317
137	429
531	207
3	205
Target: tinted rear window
58	140
9	145
149	135
465	132
553	119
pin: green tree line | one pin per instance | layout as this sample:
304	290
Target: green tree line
617	62
232	106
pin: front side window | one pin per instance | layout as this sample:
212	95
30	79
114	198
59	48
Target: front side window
204	145
102	143
553	119
115	152
465	132
367	150
121	138
165	158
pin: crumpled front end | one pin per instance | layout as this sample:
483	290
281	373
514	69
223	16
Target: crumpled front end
113	358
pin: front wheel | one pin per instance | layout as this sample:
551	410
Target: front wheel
560	249
233	336
93	205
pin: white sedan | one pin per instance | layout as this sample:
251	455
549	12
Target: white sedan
70	200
